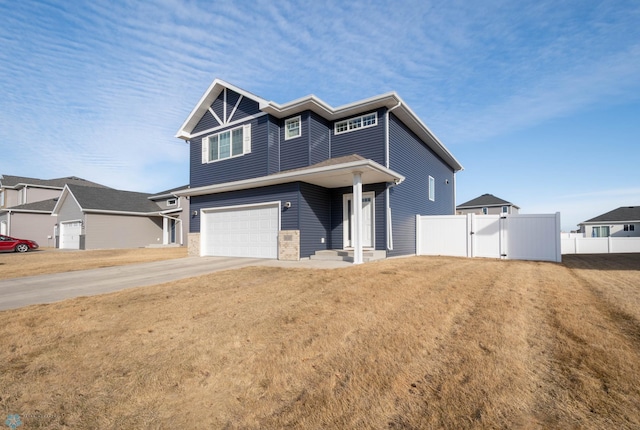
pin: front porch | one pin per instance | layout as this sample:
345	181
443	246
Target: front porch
348	255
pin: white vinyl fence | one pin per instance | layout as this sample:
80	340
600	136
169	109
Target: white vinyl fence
514	237
573	244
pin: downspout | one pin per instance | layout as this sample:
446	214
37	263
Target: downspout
9	222
386	191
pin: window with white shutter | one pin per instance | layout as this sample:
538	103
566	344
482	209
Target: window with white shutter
227	144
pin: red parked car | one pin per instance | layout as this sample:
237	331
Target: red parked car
18	245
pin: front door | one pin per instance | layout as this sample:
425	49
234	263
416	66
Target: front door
368	203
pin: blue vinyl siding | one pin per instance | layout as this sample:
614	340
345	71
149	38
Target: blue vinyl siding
319	139
315	219
294	153
218	106
289	219
413	159
207	122
273	136
380	219
250	165
367	142
246	108
309	212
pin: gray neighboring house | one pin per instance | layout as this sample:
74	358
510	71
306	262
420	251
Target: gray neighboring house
104	218
26	205
621	222
487	204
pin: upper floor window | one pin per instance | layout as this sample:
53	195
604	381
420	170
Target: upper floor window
432	189
227	144
292	128
356	123
505	209
629	227
172	202
485	211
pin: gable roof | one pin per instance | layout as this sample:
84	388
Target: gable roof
622	214
389	100
108	200
10	181
486	200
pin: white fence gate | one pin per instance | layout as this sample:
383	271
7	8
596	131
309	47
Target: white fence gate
515	237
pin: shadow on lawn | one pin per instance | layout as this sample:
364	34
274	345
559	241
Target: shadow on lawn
629	261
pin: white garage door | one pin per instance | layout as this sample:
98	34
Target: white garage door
70	235
242	231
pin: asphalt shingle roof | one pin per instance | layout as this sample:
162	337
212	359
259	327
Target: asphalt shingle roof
13	181
624	213
485	200
171	191
109	199
42	206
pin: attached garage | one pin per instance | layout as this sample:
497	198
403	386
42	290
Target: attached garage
241	231
70	234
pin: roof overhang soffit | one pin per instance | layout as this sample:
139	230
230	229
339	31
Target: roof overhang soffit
336	176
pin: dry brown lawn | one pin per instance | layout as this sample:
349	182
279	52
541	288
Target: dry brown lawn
46	261
414	343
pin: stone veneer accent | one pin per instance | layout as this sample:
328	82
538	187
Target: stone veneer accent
193	244
289	245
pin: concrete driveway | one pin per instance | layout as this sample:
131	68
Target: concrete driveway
18	292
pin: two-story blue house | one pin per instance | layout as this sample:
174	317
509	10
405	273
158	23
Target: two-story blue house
271	181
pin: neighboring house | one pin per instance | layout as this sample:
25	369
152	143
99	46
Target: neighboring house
487	204
98	218
26	205
267	178
621	222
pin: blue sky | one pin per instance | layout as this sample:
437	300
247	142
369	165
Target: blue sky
539	100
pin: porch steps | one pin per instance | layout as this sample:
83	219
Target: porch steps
340	255
171	245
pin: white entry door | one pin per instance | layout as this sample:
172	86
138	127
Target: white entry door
241	231
368	203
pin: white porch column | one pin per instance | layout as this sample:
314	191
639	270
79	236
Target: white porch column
357	218
165	230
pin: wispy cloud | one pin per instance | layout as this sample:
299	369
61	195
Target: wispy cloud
99	88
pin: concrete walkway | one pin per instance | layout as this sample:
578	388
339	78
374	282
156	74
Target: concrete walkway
18	292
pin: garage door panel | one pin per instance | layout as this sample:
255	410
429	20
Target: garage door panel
70	235
241	232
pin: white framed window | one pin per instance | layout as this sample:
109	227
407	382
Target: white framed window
292	128
227	144
356	123
485	211
629	227
432	189
172	202
505	209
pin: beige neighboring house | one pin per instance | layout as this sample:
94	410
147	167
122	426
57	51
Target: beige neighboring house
621	222
487	204
105	218
26	205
